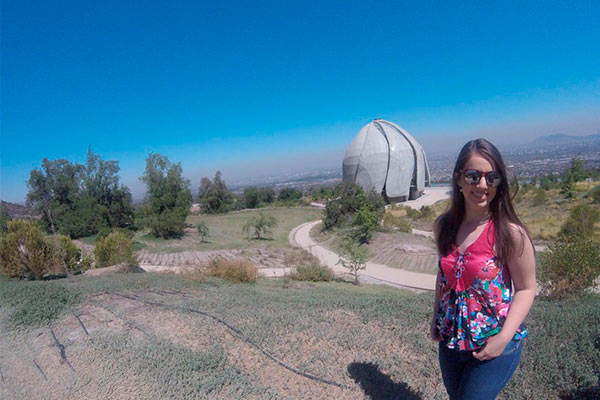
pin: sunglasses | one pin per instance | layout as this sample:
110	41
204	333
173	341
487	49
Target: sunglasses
473	176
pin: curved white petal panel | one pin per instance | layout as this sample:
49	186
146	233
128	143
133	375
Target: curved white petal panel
366	159
402	160
385	156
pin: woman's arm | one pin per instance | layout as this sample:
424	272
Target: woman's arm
522	271
433	331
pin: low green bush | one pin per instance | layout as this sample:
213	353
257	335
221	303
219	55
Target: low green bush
312	273
570	266
114	249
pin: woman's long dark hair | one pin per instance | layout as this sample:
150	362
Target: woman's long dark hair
501	208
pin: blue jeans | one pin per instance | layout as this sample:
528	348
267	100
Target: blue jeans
467	378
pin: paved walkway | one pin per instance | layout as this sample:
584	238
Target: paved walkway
374	273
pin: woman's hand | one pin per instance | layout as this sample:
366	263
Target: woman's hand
494	347
433	331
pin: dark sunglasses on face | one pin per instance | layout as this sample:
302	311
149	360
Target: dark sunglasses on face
473	176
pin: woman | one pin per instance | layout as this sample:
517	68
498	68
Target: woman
485	252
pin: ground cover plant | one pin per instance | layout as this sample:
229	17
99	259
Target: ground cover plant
371	339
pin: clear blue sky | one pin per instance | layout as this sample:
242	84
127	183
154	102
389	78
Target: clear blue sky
250	86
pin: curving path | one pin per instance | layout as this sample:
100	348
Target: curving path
374	273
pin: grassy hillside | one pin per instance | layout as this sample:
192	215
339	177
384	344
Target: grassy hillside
371	339
226	230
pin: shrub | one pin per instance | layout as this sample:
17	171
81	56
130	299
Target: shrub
203	231
426	213
261	225
540	197
25	253
114	249
581	222
236	270
570	266
313	273
403	224
68	254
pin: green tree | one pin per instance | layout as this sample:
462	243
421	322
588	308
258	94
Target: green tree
353	256
53	190
576	170
255	197
289	194
168	197
350	198
214	197
260	226
78	200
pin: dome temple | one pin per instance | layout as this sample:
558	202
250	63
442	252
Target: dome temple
386	158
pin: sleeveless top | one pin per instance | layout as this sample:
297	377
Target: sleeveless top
475	294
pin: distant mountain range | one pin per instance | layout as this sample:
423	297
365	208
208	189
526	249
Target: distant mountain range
561	138
17	211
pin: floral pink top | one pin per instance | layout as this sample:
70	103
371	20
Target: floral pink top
475	294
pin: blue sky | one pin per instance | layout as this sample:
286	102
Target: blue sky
252	87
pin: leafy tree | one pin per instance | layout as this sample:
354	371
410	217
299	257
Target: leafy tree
54	189
168	197
254	197
78	200
203	231
214	196
576	171
350	198
260	226
353	256
289	194
366	223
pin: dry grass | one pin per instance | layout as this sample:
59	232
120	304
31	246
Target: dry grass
544	221
237	270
